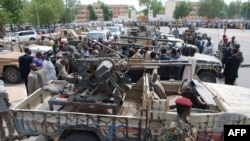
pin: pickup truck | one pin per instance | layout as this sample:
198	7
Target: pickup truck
142	113
9	65
208	68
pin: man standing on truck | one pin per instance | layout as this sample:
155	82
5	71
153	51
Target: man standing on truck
5	115
180	129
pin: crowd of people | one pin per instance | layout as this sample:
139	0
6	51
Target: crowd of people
231	58
228	52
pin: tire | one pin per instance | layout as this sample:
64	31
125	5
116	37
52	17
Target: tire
32	39
47	138
207	77
82	136
12	75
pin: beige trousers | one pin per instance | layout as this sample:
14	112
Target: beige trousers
9	123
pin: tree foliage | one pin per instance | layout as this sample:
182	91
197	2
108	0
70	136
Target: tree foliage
245	12
92	13
44	11
12	8
107	14
234	9
156	7
211	8
182	10
72	7
147	4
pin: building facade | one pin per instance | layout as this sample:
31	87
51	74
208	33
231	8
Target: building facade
118	10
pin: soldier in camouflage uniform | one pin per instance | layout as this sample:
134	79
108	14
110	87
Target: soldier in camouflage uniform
180	128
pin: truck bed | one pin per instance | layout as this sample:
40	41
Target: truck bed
42	100
33	116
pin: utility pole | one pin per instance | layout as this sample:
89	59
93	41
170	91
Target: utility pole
246	16
37	16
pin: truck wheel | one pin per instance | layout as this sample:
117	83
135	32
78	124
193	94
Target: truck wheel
32	39
82	136
207	77
12	75
48	138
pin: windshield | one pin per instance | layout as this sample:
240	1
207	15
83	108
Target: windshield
96	35
114	29
120	25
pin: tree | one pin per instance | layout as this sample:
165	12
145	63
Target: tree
182	10
71	9
107	14
211	8
234	9
156	7
44	11
245	12
92	13
147	4
12	8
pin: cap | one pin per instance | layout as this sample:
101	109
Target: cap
184	102
37	51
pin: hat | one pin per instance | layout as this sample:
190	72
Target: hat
184	102
37	51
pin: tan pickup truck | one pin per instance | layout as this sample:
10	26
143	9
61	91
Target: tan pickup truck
70	33
139	113
9	65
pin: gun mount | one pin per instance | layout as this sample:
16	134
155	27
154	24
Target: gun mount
142	30
100	82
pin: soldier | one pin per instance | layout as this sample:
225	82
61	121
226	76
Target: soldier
180	128
5	115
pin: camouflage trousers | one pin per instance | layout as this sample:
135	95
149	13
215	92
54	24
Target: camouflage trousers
9	123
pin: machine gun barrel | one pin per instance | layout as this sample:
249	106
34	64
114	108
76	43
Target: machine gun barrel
146	38
245	65
132	45
157	64
106	47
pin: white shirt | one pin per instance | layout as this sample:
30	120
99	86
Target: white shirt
208	50
51	72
